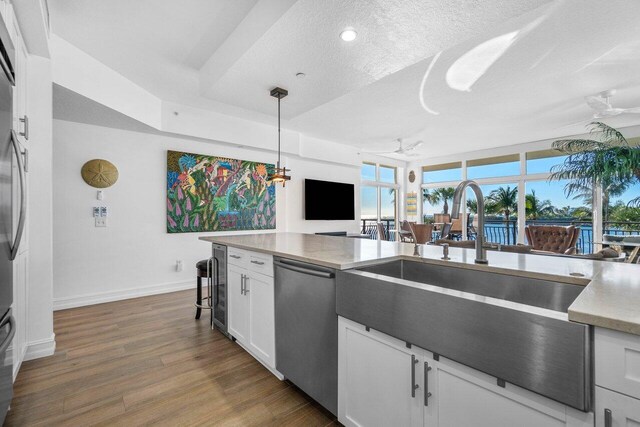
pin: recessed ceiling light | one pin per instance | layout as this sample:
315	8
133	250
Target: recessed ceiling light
348	35
300	75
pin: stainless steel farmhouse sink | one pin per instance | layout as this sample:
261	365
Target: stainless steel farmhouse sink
510	327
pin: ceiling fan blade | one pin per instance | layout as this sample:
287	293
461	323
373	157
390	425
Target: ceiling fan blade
413	146
597	103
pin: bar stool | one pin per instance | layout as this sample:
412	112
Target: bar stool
203	271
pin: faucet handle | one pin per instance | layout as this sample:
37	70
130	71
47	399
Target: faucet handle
445	251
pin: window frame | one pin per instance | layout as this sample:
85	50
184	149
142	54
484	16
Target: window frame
521	180
379	185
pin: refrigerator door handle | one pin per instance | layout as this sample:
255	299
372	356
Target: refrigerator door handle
23	197
12	331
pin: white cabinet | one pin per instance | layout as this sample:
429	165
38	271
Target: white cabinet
617	372
617	360
238	304
251	304
376	380
463	396
383	382
262	339
616	410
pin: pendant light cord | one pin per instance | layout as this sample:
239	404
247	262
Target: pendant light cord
278	132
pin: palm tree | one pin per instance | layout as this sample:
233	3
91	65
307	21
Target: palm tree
585	193
472	205
504	200
608	160
535	207
438	195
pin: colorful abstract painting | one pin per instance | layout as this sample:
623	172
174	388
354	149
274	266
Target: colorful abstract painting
206	193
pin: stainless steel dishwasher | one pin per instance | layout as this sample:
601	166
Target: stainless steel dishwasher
307	329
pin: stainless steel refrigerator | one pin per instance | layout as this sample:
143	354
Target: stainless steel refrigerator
11	178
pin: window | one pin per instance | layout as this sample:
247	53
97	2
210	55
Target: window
543	161
369	203
442	173
388	206
436	201
368	172
387	174
622	210
507	213
501	212
378	197
494	167
546	202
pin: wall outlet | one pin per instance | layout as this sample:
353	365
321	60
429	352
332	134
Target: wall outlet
101	221
179	265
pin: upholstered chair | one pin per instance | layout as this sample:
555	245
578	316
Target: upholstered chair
553	238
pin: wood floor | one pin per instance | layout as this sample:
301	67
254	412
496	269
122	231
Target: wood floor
146	361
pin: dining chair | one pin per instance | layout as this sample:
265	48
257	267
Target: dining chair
423	233
446	231
406	232
441	218
456	228
382	233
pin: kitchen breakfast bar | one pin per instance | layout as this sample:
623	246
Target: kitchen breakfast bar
380	333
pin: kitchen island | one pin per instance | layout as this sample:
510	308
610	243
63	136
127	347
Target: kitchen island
609	300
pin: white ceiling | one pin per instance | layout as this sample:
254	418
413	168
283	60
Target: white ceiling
226	54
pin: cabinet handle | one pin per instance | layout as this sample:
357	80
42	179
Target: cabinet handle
414	386
25	121
257	262
235	256
242	284
246	279
427	394
608	419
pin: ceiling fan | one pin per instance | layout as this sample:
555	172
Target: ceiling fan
404	150
601	104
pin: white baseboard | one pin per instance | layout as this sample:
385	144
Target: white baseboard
99	298
41	348
18	364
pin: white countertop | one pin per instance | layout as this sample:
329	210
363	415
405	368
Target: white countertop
611	298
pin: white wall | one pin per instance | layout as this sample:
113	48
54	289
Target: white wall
134	255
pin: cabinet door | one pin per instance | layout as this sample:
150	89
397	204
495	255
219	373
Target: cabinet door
238	305
624	411
261	317
462	396
375	380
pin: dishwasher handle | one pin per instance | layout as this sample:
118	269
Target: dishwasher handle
304	269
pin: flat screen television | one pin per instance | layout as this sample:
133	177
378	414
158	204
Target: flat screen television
328	200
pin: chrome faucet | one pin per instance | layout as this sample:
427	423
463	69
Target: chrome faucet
481	252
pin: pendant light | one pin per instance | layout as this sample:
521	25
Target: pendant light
279	175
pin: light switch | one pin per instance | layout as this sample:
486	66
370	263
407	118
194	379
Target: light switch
103	211
96	211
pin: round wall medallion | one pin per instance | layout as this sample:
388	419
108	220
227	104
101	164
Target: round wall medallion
99	173
412	176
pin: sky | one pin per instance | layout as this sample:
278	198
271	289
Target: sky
545	190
